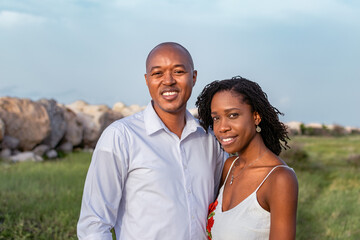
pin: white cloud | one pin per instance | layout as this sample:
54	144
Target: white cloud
292	10
9	19
240	13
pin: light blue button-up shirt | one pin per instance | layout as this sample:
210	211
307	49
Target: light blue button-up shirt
147	183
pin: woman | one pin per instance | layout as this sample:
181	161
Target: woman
258	196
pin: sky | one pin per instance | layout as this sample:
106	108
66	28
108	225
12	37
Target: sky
304	54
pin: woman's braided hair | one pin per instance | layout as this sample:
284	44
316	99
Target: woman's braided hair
273	132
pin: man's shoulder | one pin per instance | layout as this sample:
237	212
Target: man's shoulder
127	123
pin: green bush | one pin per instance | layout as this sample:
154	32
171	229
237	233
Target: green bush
354	160
296	155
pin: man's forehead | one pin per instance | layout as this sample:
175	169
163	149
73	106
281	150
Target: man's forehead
170	50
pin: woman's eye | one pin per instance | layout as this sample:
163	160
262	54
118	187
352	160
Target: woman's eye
215	119
233	115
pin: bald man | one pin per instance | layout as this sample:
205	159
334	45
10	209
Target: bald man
153	174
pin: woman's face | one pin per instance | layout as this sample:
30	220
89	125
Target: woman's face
233	121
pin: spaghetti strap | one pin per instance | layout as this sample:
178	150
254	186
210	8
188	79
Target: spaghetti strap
270	173
232	164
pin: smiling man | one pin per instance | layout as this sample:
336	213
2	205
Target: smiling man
153	174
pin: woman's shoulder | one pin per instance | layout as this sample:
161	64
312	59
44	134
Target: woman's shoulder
282	179
227	166
283	173
228	162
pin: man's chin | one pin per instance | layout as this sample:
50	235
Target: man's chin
170	108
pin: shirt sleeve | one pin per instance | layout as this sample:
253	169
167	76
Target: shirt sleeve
103	186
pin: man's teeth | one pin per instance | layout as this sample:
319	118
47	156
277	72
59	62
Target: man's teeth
227	139
169	93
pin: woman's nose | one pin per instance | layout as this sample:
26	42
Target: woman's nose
224	126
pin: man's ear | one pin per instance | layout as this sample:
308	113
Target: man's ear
257	118
145	75
194	77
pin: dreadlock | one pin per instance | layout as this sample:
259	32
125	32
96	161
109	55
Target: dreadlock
273	132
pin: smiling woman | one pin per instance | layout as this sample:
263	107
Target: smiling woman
259	200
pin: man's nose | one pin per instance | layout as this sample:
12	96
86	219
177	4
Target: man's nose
169	79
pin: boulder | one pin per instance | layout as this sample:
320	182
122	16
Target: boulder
25	120
126	111
74	127
194	112
5	153
10	142
41	149
66	147
118	107
51	154
2	129
94	118
57	122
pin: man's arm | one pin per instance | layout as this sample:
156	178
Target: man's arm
103	187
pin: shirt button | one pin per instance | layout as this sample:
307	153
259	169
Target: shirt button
189	191
192	217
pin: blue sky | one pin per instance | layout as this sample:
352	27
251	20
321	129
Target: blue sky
305	54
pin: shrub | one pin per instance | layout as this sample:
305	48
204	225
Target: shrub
354	160
295	156
338	131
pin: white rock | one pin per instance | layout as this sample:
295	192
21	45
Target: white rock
294	127
25	156
118	107
314	125
194	112
51	154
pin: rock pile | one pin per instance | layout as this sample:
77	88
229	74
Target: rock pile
34	130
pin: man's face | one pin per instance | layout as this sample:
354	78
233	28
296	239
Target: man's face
170	78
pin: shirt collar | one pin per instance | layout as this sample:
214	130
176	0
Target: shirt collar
153	123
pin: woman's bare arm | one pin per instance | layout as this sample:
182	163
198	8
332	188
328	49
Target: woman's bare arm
282	197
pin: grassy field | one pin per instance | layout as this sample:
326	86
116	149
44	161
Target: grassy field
42	200
329	188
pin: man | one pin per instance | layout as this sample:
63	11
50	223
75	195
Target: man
153	174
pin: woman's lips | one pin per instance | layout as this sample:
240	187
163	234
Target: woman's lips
226	141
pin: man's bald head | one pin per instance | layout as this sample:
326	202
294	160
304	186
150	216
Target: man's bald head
174	45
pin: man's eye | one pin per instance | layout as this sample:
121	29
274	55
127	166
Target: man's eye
179	71
156	74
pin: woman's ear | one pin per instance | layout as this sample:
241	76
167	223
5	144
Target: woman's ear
257	118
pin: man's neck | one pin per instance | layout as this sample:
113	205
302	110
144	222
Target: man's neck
175	122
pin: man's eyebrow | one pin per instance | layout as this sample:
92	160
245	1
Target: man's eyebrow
175	66
180	65
155	67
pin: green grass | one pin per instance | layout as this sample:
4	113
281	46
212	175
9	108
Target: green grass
329	187
42	200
